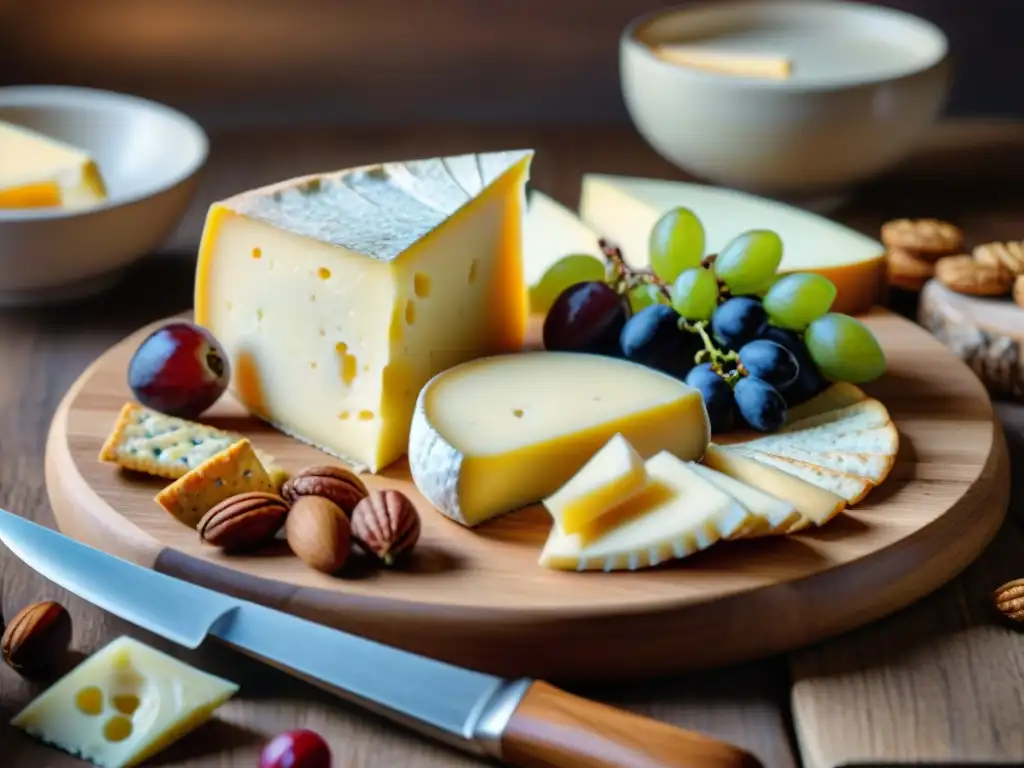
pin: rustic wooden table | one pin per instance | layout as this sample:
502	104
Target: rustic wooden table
939	682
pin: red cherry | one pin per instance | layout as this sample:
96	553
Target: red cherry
296	749
179	369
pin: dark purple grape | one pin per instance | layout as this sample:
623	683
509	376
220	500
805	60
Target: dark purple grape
652	337
809	381
586	317
737	321
760	404
770	362
718	397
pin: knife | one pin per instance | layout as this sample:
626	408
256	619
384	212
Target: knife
520	722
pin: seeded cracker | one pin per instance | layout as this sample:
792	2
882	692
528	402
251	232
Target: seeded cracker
232	471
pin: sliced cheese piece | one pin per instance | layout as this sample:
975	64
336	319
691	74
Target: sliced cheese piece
338	296
839	395
625	210
850	487
497	434
884	440
770	514
123	704
871	466
38	171
610	477
858	416
816	505
681	513
550	232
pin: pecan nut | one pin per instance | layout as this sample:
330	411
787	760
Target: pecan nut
1008	256
37	639
387	525
244	521
1009	600
965	274
338	484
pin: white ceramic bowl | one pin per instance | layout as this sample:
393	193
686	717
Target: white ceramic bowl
867	82
150	157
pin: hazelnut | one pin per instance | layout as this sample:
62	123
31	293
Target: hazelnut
36	640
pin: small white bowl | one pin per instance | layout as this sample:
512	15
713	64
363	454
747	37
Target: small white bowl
866	84
150	157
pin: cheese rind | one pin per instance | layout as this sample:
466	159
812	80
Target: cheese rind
610	477
38	171
500	433
815	505
625	210
126	687
770	515
689	516
338	296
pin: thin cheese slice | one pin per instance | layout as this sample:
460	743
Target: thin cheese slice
884	440
871	466
338	296
839	395
679	514
771	515
124	704
864	414
499	433
614	474
850	487
815	504
38	171
550	232
626	209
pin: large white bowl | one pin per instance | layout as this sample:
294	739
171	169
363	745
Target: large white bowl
150	157
818	132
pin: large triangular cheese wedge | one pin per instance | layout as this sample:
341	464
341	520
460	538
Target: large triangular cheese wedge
678	514
337	296
871	466
770	514
850	487
864	414
883	439
550	232
499	433
839	395
816	505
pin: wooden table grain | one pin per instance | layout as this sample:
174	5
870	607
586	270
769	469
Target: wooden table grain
938	682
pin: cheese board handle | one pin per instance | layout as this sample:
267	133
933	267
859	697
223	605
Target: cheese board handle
554	729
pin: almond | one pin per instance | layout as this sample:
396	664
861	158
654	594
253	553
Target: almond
244	521
319	533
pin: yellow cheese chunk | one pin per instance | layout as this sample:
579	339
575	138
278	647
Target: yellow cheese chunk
769	514
626	209
680	513
500	433
815	505
614	474
338	296
37	171
124	704
550	232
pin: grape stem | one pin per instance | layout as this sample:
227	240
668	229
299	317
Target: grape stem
714	355
624	278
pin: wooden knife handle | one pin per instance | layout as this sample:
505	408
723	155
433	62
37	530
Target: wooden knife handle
554	729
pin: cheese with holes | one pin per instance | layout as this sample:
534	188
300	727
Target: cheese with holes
610	477
815	505
497	434
37	171
626	209
769	514
679	512
338	296
552	231
124	704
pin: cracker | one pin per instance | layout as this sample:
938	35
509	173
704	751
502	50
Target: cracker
838	395
234	470
849	487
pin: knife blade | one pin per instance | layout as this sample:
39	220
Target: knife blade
521	722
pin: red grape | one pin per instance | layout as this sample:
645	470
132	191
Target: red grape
179	369
586	317
296	749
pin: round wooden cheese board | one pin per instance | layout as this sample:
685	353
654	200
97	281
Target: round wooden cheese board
478	598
